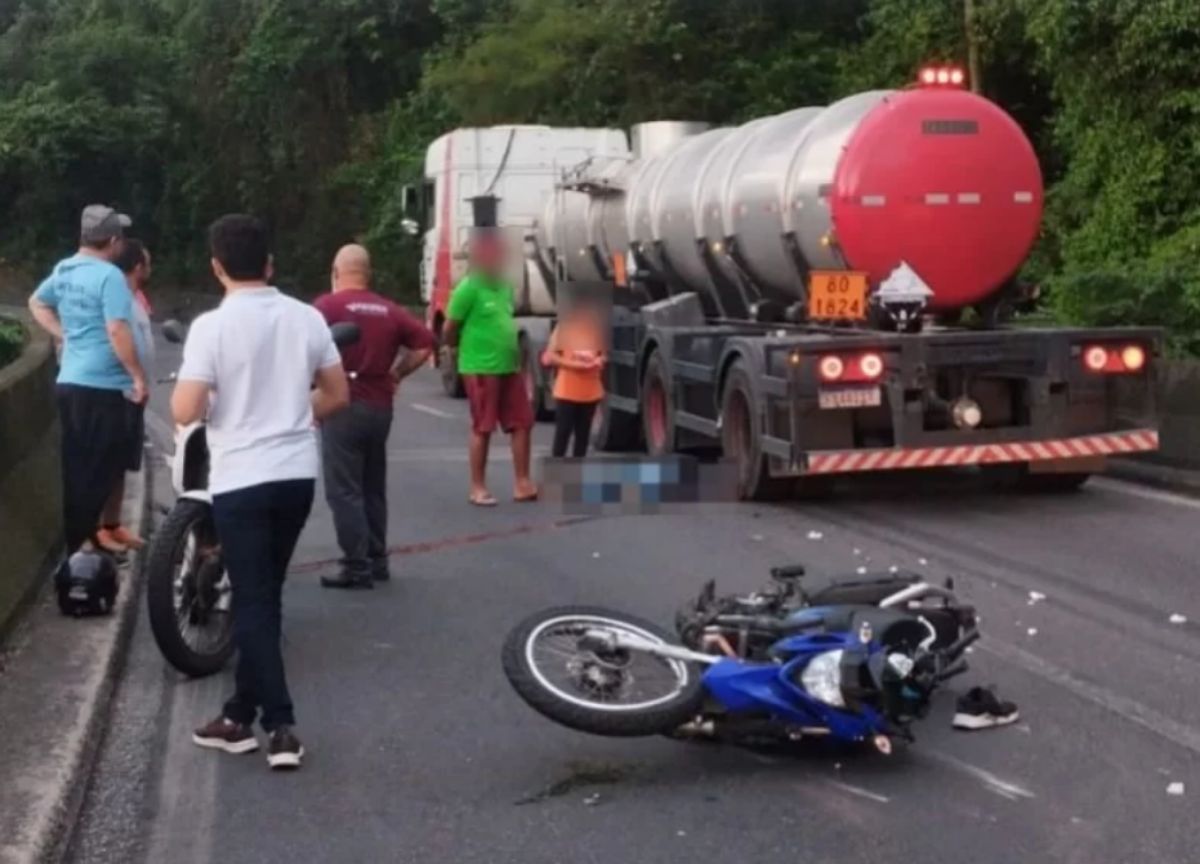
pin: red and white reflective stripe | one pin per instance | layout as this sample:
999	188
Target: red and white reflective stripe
847	461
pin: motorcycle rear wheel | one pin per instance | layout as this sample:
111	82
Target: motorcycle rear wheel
593	692
188	521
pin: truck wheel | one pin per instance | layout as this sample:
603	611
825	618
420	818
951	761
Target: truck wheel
452	382
741	439
1016	477
615	431
658	424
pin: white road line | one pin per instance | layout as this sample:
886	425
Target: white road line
1157	495
1132	710
998	785
860	792
436	412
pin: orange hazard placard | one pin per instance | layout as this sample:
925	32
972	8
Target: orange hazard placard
837	295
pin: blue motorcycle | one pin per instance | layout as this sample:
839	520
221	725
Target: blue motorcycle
857	661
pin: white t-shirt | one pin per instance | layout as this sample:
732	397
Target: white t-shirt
259	352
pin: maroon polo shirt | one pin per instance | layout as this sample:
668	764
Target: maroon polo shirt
385	329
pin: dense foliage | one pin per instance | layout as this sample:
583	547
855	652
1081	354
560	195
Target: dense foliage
314	112
12	340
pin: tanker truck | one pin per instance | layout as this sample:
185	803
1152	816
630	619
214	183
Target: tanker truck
831	290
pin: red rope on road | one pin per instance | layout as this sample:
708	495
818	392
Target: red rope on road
452	542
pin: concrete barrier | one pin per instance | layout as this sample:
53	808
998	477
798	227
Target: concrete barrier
1178	397
30	475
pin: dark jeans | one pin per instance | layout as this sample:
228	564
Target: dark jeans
258	528
354	446
95	451
572	420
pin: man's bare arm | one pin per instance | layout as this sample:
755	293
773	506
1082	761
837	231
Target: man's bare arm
409	361
46	318
121	336
189	402
331	393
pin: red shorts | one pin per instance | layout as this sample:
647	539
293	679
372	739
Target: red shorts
498	400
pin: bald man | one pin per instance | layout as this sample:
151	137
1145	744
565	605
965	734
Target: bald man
393	345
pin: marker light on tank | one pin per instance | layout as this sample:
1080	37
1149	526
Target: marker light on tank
943	76
1095	358
957	77
928	76
832	367
1134	358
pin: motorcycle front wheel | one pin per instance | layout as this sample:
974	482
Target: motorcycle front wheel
188	594
553	663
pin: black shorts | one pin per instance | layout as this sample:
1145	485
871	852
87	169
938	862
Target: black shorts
95	453
137	435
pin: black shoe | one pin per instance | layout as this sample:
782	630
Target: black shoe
284	750
347	580
224	734
981	709
381	575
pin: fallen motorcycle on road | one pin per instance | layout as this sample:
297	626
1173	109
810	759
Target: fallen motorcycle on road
857	661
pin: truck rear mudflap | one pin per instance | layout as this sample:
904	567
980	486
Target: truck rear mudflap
1080	453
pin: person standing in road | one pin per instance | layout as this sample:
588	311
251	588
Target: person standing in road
262	367
481	326
86	305
392	345
134	262
577	349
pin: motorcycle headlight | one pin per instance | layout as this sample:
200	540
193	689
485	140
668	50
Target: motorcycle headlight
822	678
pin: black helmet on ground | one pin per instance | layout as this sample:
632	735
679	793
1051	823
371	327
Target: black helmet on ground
86	584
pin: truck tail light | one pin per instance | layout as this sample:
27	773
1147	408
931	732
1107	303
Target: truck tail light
850	369
1114	360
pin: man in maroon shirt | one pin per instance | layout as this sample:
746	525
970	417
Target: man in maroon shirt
392	346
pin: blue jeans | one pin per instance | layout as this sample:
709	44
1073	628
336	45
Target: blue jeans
258	528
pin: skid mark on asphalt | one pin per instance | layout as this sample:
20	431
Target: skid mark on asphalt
991	782
434	412
456	542
1130	709
859	791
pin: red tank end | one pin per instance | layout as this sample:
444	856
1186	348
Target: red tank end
945	181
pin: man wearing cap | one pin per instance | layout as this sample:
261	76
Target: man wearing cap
86	304
480	323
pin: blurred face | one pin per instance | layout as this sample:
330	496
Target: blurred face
488	254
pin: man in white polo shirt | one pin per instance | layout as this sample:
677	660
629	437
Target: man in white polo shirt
262	367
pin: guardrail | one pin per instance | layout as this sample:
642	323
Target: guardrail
30	472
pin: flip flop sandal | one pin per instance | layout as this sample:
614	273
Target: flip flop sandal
525	499
482	500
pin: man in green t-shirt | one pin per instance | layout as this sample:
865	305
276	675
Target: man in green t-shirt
480	322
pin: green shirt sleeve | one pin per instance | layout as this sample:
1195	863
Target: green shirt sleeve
462	299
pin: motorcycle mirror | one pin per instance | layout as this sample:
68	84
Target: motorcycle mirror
345	333
174	331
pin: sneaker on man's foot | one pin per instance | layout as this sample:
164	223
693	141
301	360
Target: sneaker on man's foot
981	709
224	734
284	749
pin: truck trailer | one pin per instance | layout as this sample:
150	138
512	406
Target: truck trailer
831	291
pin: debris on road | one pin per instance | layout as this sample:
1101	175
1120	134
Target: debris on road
924	562
893	569
595	554
857	551
592	800
1036	597
1175	788
862	571
757	538
1033	631
815	535
1176	618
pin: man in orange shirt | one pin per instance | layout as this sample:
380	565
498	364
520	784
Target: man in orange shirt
577	349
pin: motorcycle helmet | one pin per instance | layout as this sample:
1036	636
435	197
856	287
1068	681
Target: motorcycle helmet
86	584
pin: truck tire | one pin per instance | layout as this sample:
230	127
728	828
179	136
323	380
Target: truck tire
658	418
1016	477
584	699
741	440
615	431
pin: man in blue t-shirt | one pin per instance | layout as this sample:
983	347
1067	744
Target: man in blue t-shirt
86	304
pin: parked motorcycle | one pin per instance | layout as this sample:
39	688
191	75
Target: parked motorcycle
767	665
188	593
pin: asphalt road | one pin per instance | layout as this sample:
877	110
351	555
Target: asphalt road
418	751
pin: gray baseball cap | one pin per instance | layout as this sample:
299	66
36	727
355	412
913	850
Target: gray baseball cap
99	224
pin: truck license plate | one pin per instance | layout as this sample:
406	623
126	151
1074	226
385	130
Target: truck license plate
850	397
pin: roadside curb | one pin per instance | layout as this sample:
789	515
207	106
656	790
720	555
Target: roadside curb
1150	474
54	697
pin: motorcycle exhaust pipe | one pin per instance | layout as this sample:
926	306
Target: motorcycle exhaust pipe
956	648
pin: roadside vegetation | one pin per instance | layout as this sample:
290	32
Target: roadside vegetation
12	340
314	114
